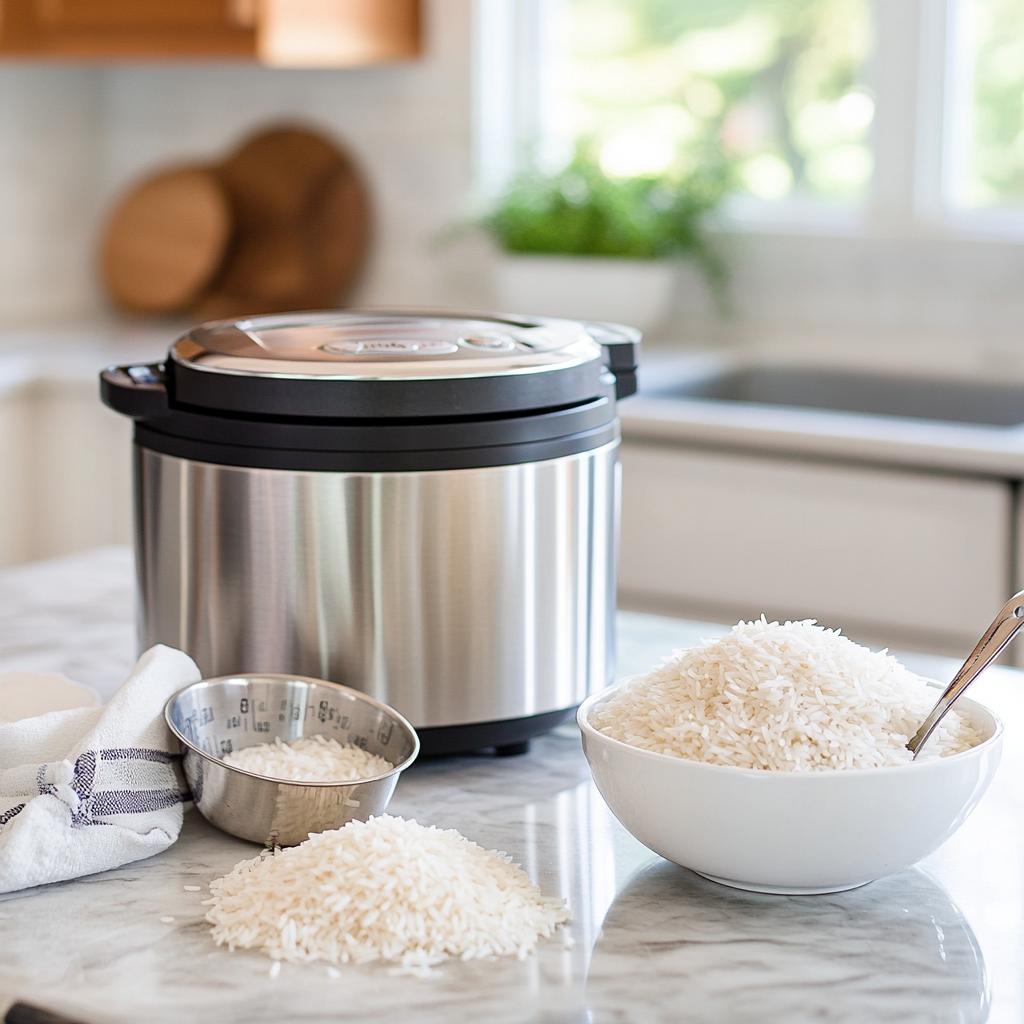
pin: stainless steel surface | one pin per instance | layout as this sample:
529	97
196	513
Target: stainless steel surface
1003	629
455	596
218	716
991	403
378	346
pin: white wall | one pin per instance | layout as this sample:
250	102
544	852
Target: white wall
71	137
50	151
875	297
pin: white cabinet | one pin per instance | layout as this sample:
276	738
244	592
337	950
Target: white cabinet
65	469
15	475
903	558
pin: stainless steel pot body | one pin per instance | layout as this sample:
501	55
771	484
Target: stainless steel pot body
455	596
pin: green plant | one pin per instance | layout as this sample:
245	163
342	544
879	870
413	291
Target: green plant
582	212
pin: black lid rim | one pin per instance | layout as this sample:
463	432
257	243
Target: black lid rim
393	461
385	399
381	435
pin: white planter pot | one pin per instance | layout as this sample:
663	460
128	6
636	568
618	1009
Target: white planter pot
632	292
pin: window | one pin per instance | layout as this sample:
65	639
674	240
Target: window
990	38
897	116
780	83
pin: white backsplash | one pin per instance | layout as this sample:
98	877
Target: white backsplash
73	136
50	157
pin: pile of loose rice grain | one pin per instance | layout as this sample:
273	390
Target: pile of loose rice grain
789	697
313	758
385	889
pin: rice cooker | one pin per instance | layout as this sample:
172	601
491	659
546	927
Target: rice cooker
422	506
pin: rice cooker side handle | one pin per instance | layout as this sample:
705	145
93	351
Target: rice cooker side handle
138	391
621	347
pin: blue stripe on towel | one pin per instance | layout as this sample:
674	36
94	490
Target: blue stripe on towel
127	801
138	754
8	814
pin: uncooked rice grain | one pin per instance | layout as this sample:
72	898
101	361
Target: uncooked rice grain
313	758
385	889
790	697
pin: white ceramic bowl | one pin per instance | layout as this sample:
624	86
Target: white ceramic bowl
791	832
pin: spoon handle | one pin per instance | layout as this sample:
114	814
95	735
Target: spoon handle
1003	629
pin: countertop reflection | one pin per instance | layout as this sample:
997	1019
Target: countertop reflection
896	950
650	941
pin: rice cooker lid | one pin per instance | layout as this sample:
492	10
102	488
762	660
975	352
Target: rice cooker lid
391	364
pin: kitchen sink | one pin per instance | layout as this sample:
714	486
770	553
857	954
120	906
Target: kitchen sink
843	390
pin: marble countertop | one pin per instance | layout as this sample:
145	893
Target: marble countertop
652	941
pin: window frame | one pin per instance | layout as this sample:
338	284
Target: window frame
918	74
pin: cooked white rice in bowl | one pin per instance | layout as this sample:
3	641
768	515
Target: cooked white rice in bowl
719	760
790	697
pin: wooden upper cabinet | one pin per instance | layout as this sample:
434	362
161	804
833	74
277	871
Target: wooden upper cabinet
336	33
283	33
125	29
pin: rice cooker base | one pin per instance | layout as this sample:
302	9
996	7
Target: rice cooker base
510	736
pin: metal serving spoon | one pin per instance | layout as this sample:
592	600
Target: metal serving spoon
1003	629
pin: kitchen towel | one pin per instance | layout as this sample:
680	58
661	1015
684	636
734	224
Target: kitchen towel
89	789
